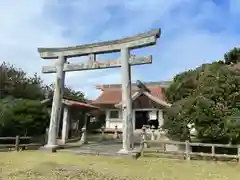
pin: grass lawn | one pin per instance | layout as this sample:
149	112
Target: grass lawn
58	166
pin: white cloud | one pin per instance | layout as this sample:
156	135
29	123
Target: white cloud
24	27
187	39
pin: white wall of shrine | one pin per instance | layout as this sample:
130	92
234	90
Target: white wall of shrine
114	117
112	125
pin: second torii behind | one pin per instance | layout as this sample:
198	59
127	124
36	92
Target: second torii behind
124	46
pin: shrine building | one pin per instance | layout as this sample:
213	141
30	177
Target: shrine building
148	104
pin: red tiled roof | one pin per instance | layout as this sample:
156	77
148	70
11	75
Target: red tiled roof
114	95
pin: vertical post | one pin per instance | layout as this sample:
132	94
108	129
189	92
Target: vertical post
56	104
144	137
84	131
46	136
213	151
65	125
102	129
134	119
164	147
142	148
116	136
238	153
187	150
153	135
159	133
62	87
126	101
160	118
17	141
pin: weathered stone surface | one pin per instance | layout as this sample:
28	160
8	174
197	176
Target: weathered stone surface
137	41
56	104
49	148
65	125
83	139
90	65
126	101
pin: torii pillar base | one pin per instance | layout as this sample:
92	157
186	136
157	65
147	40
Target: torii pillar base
124	151
133	153
50	148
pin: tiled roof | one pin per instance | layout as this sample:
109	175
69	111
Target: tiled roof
114	95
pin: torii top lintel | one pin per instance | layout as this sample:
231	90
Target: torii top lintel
133	42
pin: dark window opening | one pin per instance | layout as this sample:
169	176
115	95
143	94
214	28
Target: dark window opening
114	114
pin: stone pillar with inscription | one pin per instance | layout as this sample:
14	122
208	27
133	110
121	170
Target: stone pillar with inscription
56	104
127	111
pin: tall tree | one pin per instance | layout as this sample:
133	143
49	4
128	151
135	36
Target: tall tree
67	93
22	117
14	82
20	110
207	98
233	56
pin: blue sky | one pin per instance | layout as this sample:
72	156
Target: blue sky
193	32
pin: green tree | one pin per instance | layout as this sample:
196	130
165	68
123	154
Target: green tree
207	98
183	85
233	56
67	93
20	110
14	82
22	117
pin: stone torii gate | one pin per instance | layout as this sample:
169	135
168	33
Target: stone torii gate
126	60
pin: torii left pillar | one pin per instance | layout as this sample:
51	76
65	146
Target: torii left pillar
56	104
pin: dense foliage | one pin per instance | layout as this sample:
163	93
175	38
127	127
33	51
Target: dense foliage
233	56
22	117
67	93
206	97
21	112
15	82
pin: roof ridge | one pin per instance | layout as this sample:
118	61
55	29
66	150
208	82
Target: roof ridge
113	96
133	88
